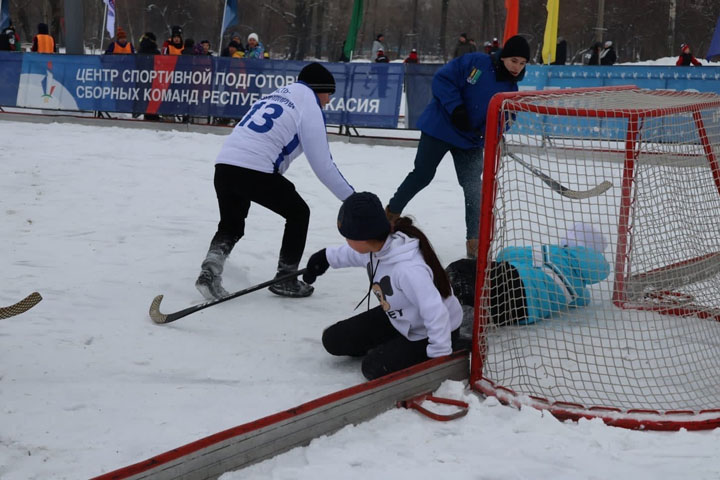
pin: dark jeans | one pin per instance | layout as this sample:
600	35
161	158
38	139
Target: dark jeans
370	334
237	187
468	168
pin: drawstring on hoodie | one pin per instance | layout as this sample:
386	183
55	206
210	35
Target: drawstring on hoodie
372	279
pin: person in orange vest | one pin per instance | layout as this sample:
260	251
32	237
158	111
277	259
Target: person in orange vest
120	45
176	45
43	42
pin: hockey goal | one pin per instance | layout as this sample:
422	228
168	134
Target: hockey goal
641	167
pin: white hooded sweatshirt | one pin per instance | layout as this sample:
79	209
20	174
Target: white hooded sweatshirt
403	283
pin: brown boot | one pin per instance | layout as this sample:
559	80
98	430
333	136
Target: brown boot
391	216
472	246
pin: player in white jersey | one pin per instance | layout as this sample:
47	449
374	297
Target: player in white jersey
276	130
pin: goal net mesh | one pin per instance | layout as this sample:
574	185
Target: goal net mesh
637	327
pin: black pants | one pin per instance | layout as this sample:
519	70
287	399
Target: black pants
237	187
370	334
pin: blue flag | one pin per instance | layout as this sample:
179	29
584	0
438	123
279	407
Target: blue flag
715	43
4	13
230	18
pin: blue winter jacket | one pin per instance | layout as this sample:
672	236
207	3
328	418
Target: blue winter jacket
555	277
470	80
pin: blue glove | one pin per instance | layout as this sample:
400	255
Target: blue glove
316	266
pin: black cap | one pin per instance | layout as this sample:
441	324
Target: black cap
176	30
516	46
362	217
318	78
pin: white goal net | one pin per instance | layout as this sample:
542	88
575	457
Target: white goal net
599	257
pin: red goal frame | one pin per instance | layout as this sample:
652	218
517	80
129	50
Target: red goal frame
635	418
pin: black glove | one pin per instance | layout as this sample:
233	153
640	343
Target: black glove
316	266
460	118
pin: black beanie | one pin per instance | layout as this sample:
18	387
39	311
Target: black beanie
516	46
362	217
318	78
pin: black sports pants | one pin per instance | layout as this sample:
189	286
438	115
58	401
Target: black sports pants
237	187
371	334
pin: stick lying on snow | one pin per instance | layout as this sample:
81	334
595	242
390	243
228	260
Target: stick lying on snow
22	306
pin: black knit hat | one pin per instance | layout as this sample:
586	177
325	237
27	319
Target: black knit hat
177	31
362	217
318	78
516	46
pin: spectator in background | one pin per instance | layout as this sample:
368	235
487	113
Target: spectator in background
235	50
234	37
146	47
189	47
175	45
254	48
205	47
495	46
686	58
148	44
595	51
9	39
413	57
266	55
608	55
120	45
463	46
377	45
381	58
487	47
560	52
43	42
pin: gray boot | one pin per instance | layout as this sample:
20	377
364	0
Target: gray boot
209	282
291	287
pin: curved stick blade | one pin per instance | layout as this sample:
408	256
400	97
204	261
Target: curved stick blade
155	314
593	192
22	306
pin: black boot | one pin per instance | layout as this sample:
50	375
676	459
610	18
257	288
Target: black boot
291	287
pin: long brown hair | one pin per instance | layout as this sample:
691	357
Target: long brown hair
440	277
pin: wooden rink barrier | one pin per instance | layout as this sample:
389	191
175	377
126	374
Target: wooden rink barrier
246	444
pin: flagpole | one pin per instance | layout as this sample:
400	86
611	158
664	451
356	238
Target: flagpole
102	32
222	29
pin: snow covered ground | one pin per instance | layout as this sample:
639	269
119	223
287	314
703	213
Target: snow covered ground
100	220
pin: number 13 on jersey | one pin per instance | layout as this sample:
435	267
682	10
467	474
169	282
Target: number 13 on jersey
270	111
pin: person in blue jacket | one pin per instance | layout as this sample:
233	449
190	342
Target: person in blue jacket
530	284
454	122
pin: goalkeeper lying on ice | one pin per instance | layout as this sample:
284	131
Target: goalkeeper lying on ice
529	284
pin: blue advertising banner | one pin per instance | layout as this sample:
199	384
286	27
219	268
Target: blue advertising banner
542	77
418	90
367	95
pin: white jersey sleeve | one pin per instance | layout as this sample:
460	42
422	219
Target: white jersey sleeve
313	140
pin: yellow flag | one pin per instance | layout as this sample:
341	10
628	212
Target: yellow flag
551	27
